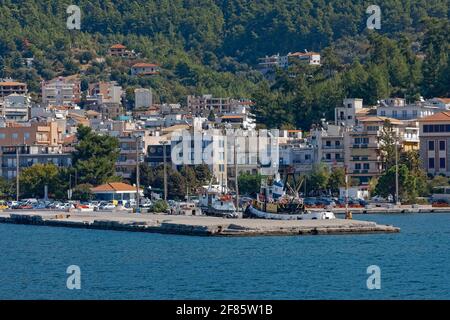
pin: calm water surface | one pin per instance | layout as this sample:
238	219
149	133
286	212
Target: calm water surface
123	265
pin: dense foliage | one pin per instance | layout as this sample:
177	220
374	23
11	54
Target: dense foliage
212	46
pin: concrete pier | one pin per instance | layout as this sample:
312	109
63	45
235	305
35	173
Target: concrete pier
196	226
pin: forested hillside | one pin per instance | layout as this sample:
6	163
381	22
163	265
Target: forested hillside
212	46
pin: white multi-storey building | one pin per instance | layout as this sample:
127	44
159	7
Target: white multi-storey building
397	108
143	98
61	91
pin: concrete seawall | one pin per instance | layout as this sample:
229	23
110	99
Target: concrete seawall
195	226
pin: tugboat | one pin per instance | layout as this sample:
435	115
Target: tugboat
215	202
274	202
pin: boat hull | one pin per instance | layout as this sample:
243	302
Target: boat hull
252	212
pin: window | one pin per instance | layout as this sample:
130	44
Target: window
2	136
430	145
338	144
442	145
394	113
328	156
366	166
15	136
414	113
442	163
382	113
431	163
404	114
358	166
307	157
328	143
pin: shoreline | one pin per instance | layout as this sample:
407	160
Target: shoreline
194	225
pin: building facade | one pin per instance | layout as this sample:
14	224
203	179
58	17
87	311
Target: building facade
10	87
61	91
434	143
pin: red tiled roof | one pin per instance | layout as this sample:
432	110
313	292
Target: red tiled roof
114	187
379	119
11	84
444	100
118	46
144	65
437	117
232	117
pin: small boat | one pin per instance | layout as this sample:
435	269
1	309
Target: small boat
186	209
215	202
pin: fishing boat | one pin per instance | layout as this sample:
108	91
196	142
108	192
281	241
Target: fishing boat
214	201
279	201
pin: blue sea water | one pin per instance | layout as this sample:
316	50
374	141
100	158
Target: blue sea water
415	264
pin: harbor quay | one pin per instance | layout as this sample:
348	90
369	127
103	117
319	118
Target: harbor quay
192	225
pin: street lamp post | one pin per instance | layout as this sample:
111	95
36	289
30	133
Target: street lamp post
138	195
397	200
164	143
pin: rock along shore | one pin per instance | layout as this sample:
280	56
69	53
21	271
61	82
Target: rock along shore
192	225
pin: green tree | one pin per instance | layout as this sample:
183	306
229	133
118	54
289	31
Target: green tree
249	183
387	140
7	189
95	156
336	180
83	192
318	179
34	179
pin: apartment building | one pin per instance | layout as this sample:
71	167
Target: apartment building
35	142
299	156
435	142
203	105
363	157
346	114
105	92
16	107
61	91
397	108
143	98
328	143
29	156
8	87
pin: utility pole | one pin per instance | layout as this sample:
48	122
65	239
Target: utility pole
236	174
165	169
138	195
397	202
17	174
347	213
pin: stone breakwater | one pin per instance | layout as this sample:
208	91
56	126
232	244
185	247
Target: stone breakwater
195	226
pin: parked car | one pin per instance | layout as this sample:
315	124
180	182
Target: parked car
107	206
39	205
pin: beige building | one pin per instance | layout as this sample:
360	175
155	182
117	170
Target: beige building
10	87
363	157
44	134
435	142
